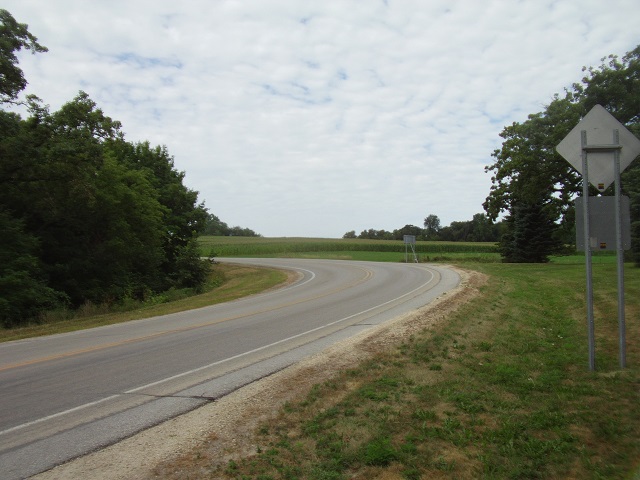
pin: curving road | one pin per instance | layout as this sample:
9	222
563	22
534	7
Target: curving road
66	395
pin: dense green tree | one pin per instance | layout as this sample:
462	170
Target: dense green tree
14	37
530	237
373	234
85	215
479	229
22	281
110	219
184	219
431	227
527	171
57	192
408	230
483	229
242	232
215	226
615	84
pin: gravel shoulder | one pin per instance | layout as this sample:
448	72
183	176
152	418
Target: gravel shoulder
226	428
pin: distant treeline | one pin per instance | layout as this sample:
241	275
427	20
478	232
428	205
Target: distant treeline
480	229
214	226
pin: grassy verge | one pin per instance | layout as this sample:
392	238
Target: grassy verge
501	389
226	283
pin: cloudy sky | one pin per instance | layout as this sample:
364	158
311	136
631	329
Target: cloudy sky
316	117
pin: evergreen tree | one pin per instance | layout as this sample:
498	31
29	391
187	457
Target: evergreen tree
531	237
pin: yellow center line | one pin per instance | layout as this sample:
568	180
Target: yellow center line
368	275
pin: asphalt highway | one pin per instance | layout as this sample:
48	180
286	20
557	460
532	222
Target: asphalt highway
66	395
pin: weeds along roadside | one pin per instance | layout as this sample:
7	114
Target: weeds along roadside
500	390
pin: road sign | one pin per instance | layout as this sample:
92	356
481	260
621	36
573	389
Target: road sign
600	147
602	234
599	124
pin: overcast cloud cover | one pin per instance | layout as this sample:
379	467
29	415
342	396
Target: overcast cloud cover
313	118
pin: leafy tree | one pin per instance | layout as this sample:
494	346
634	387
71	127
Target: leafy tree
85	215
58	192
479	229
108	219
215	226
483	229
527	170
615	84
373	234
22	281
243	232
350	234
408	230
184	219
431	227
14	37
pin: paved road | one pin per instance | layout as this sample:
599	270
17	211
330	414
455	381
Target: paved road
66	395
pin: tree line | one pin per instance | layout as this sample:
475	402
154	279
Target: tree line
215	226
479	229
85	215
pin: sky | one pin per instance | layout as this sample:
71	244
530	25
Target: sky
312	118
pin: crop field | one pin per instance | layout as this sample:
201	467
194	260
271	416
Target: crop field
350	249
371	250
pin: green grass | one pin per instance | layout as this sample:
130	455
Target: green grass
500	390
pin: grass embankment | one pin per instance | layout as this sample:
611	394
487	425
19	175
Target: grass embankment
226	283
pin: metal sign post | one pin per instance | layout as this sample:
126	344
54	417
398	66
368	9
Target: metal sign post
622	329
594	162
587	253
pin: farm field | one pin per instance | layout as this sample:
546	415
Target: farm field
368	250
348	249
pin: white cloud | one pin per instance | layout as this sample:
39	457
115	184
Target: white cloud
314	118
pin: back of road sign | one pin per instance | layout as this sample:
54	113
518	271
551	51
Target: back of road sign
599	125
